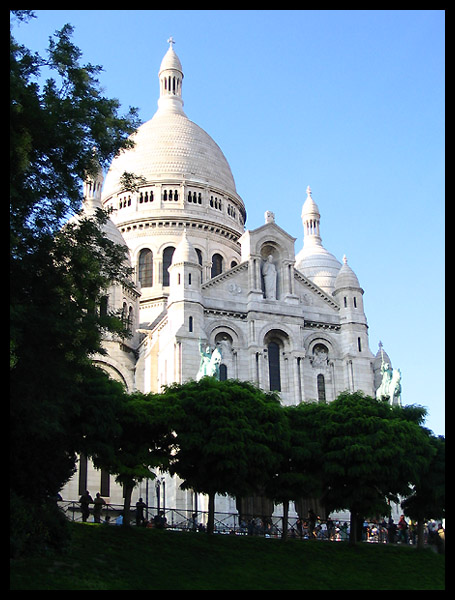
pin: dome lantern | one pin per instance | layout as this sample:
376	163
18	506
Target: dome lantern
171	77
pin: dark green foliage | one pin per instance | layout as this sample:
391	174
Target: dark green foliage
57	274
228	436
372	453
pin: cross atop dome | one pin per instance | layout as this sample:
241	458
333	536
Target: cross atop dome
171	41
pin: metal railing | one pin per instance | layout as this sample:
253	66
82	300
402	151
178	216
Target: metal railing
233	523
187	520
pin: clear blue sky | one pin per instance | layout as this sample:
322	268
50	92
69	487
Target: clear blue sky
348	102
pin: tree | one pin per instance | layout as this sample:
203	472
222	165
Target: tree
57	274
299	473
227	435
141	443
427	500
373	452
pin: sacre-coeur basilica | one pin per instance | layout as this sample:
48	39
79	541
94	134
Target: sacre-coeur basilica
288	319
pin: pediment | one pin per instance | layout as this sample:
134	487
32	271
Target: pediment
232	285
269	234
311	294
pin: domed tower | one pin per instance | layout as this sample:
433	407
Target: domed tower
119	299
185	183
354	329
314	261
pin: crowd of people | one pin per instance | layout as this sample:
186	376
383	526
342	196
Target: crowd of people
313	527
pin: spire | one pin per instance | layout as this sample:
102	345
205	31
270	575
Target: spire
311	220
171	77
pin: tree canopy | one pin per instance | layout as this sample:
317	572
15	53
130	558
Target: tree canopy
228	436
57	273
372	453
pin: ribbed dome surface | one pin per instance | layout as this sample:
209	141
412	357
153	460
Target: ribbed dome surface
172	146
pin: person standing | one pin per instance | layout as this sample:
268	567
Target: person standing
99	503
84	501
140	505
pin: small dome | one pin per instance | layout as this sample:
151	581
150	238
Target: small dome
171	61
309	206
91	204
319	265
185	252
346	277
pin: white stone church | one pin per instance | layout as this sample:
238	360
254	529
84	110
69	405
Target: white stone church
291	322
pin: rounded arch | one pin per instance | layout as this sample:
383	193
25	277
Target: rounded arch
275	245
226	327
168	253
145	267
283	333
218	264
270	247
114	372
314	339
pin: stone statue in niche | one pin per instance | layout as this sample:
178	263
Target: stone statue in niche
269	275
320	356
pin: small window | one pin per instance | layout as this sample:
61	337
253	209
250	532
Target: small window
217	265
105	488
359	344
146	268
167	261
274	366
130	319
321	389
223	373
190	324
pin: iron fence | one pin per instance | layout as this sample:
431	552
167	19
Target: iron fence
233	523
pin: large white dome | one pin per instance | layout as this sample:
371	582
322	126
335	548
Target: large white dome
170	146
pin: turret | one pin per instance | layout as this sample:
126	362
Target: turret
185	273
353	321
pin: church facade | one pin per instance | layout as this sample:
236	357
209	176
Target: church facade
291	322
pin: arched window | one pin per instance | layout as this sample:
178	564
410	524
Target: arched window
274	366
146	268
130	319
321	389
167	261
223	373
217	265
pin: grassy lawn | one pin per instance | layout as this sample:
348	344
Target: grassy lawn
113	558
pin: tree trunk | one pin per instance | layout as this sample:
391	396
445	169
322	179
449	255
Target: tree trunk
353	528
420	535
127	504
211	515
284	533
